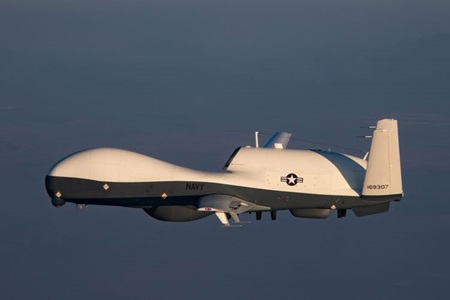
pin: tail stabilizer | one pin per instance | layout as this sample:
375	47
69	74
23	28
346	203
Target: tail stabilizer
279	140
383	174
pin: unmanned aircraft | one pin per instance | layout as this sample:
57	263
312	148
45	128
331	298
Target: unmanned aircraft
308	183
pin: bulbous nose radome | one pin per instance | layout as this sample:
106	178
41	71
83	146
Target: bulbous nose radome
54	181
53	191
72	178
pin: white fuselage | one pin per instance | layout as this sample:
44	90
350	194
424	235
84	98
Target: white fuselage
318	172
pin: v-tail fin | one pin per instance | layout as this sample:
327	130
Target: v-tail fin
383	174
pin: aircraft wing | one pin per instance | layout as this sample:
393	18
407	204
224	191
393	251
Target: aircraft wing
225	206
279	140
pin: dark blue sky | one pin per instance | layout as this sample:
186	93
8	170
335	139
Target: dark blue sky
189	81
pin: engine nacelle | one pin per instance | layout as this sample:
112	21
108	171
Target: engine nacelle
312	213
174	213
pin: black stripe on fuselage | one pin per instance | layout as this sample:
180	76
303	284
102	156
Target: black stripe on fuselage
148	194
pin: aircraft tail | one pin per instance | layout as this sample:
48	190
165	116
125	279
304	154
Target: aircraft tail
383	175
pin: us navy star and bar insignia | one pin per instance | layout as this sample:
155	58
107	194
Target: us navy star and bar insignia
292	179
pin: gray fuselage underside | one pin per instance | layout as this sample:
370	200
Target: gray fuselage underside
149	194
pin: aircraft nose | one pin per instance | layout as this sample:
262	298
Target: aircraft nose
53	191
56	182
63	179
